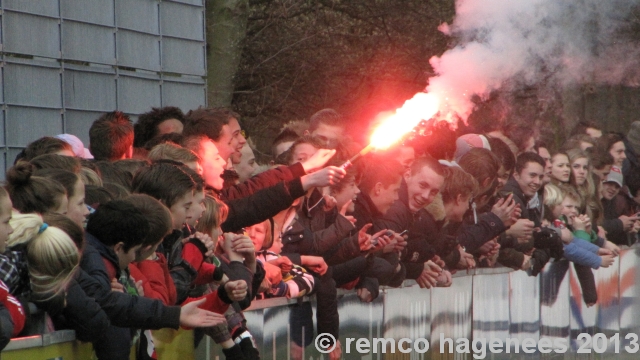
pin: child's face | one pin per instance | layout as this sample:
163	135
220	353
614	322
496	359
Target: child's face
125	257
257	233
180	210
196	210
570	207
276	248
557	210
610	190
349	192
76	209
5	227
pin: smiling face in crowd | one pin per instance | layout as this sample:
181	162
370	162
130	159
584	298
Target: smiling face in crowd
423	186
231	141
213	164
530	178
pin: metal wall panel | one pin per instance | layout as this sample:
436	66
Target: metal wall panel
491	318
79	122
629	292
34	123
89	91
2	124
181	21
89	11
32	85
31	35
451	311
190	2
41	7
64	62
87	42
358	319
137	50
136	95
524	306
183	56
140	15
183	95
554	306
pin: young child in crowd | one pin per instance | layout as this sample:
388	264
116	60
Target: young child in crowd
296	282
12	311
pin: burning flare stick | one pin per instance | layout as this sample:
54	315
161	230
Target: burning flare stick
421	107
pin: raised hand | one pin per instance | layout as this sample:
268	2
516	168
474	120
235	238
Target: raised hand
192	316
317	160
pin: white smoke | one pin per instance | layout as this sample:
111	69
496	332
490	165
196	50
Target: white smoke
555	42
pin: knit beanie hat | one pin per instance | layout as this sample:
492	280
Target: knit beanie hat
469	141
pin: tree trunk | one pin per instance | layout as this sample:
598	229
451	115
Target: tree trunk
226	29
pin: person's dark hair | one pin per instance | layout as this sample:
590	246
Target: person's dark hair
208	122
197	178
537	145
599	158
32	194
112	174
146	128
380	169
528	157
285	136
117	191
118	221
91	165
95	196
66	178
165	182
503	153
353	173
131	166
194	142
54	161
582	126
481	163
519	133
428	161
158	215
172	138
111	136
606	141
326	116
75	232
45	145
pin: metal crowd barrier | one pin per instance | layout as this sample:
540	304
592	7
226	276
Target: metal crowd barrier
484	303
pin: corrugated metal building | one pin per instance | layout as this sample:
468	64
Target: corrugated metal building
64	62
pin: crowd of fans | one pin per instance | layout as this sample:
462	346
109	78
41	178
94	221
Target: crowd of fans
171	223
